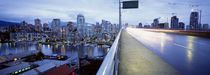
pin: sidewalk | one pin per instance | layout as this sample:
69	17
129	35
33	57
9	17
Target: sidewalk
136	59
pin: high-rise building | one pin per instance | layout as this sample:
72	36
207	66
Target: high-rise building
155	23
56	25
30	28
194	21
105	25
97	27
181	25
140	25
24	26
56	29
38	25
64	32
81	25
174	22
45	27
70	26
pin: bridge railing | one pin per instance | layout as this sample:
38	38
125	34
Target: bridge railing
109	65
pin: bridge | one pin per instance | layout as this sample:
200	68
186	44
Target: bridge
139	52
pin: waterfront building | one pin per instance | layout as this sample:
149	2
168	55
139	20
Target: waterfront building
115	29
70	26
31	28
56	25
105	26
194	21
24	26
56	29
174	22
23	36
97	27
46	27
89	31
81	25
181	25
205	27
147	26
38	25
41	69
161	25
155	23
15	70
140	25
64	32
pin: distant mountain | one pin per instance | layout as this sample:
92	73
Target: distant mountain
6	23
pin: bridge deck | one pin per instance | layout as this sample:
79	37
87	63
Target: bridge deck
136	59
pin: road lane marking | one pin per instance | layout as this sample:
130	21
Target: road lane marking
182	46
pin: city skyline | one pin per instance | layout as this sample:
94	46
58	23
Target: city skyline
98	37
105	9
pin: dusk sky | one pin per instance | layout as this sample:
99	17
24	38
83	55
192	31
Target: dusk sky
96	10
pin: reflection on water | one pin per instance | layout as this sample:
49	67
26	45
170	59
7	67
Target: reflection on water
189	55
190	48
92	50
162	42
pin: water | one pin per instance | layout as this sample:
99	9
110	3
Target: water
188	54
93	50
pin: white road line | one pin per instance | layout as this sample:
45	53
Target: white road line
182	46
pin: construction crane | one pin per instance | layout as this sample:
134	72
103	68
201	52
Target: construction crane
193	8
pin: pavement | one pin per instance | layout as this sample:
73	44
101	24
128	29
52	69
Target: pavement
136	59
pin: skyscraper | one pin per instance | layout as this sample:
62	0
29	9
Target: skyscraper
174	22
98	27
155	23
194	21
45	27
56	25
56	29
24	26
140	25
70	26
38	25
105	25
81	25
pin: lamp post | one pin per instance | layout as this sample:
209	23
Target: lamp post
119	14
126	5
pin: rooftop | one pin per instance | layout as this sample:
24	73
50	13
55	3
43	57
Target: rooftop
62	70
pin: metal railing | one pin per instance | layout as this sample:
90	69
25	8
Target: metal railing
109	65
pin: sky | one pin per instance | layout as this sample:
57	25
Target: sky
96	10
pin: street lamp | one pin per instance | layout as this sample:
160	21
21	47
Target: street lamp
126	5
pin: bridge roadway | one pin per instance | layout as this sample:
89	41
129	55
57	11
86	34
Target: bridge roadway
136	59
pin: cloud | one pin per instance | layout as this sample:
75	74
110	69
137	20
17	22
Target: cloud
96	10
